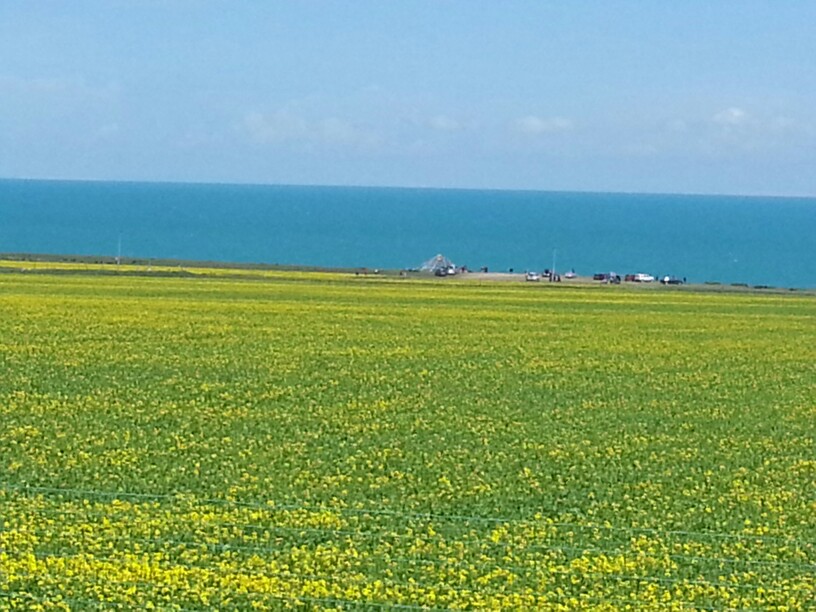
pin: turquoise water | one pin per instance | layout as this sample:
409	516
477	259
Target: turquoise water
754	240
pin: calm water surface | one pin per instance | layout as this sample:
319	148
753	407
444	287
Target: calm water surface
754	240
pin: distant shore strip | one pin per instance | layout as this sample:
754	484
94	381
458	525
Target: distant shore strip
33	263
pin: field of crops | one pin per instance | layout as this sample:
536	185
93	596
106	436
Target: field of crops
362	443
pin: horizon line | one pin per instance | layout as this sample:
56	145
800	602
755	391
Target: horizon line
240	183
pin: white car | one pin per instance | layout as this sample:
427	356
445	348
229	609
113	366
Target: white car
644	278
533	276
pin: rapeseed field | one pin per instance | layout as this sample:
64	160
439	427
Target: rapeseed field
291	441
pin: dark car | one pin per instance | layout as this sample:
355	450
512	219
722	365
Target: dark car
613	278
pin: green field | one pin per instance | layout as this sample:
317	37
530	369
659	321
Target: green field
335	442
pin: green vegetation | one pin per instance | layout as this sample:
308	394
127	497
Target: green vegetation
331	440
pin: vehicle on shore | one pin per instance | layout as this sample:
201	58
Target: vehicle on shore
605	277
640	277
449	271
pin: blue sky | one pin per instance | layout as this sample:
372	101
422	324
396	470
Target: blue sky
690	97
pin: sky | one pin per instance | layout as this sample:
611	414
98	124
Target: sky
671	97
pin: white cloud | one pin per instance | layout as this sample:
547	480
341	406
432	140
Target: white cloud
732	116
712	132
274	128
735	130
534	125
285	127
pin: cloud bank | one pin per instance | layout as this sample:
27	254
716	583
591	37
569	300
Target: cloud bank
533	125
285	127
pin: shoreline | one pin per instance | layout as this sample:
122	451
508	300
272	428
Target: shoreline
171	267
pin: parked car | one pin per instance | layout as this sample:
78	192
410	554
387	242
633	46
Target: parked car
611	277
533	277
640	277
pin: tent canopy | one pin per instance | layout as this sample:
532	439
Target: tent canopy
440	262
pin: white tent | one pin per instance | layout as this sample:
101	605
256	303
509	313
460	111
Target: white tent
440	262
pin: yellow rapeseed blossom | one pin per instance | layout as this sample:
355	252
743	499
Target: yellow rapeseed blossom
279	440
